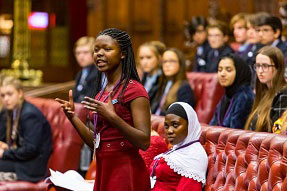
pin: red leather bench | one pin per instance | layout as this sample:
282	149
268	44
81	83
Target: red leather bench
67	143
241	160
208	92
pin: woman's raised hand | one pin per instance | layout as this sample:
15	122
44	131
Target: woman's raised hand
95	106
68	106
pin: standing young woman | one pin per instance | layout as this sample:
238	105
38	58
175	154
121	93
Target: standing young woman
149	57
121	116
173	85
271	90
233	109
184	166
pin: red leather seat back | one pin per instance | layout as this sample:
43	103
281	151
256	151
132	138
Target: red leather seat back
208	92
67	143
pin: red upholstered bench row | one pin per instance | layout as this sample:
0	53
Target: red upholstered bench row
66	143
208	92
241	160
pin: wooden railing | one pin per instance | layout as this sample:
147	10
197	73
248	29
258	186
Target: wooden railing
51	90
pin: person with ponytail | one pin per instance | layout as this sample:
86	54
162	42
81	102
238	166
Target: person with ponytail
120	113
271	90
234	75
25	137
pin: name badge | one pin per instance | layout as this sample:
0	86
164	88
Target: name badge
152	181
114	101
96	144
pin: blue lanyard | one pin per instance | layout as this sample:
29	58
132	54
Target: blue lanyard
226	113
168	152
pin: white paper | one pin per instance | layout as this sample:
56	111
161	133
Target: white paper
71	180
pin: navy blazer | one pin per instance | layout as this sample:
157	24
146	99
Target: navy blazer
240	108
34	144
282	45
184	94
88	86
212	61
152	92
201	55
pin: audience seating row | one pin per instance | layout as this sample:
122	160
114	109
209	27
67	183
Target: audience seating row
241	160
207	91
67	143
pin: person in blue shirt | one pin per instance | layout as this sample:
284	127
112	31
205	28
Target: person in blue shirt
233	109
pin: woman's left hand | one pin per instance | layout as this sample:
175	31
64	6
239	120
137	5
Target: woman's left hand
104	109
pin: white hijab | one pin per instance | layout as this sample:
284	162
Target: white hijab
191	161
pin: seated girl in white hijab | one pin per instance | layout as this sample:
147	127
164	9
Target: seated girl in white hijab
184	166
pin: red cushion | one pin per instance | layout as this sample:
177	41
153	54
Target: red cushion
208	92
67	143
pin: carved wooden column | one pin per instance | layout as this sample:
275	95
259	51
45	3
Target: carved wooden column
21	35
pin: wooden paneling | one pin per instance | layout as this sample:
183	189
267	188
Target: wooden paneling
163	20
117	14
196	8
146	21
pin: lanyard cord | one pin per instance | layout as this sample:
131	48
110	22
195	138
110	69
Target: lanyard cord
226	113
168	152
100	96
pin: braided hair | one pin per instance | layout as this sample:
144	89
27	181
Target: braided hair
129	70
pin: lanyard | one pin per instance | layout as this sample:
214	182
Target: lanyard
226	113
101	94
168	152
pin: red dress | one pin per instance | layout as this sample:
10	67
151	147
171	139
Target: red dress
157	146
168	180
119	164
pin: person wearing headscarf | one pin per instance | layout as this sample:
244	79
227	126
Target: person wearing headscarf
184	166
233	109
121	116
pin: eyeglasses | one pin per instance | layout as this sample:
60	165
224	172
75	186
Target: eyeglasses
169	61
264	67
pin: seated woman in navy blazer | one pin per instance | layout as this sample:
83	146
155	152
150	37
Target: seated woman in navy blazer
25	136
233	109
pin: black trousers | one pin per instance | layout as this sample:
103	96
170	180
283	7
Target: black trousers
7	166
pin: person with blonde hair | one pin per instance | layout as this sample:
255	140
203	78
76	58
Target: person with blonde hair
149	58
271	90
238	25
85	79
25	138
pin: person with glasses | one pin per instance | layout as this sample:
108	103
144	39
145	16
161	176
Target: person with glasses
271	90
270	29
173	85
217	38
234	107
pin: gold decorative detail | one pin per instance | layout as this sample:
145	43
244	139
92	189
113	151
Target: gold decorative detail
21	46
